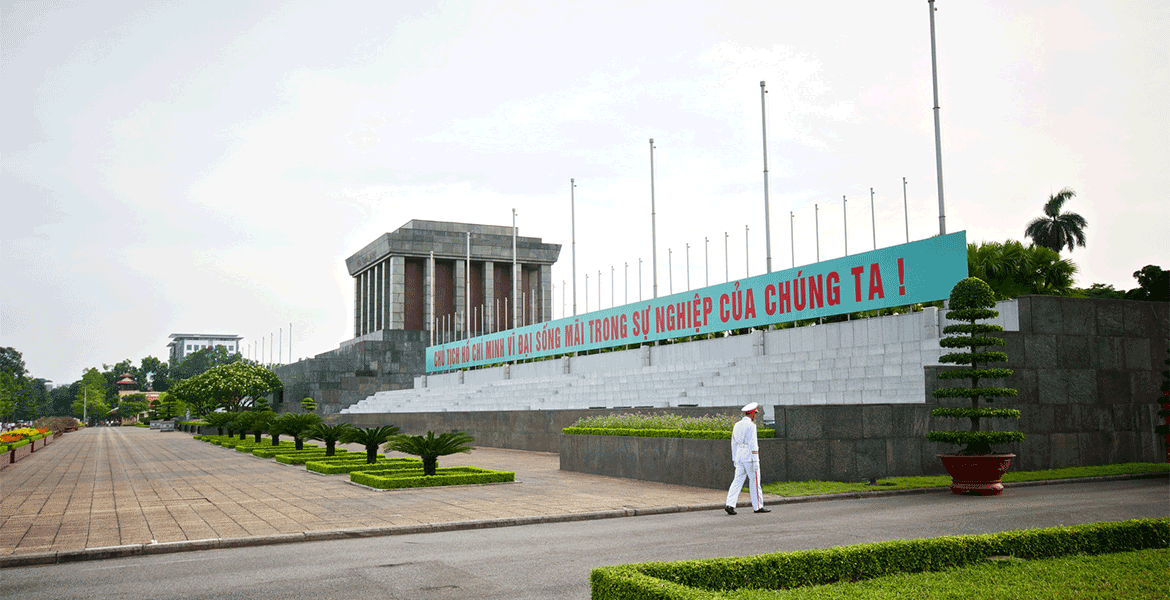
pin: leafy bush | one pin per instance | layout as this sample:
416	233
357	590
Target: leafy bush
371	438
383	464
972	300
788	570
296	425
330	434
658	421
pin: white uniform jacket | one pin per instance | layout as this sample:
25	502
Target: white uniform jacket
744	445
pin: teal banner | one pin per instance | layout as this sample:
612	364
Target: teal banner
922	271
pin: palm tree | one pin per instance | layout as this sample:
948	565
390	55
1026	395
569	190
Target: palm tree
329	434
371	438
430	448
1055	229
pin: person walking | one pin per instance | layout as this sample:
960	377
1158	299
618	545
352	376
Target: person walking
745	453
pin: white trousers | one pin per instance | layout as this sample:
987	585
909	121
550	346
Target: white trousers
749	470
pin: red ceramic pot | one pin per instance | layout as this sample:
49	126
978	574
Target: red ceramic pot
976	474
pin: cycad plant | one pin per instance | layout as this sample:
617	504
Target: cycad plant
219	420
371	438
972	300
429	448
330	434
296	425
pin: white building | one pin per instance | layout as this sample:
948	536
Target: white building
183	344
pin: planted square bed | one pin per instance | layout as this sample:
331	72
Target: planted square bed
333	467
409	478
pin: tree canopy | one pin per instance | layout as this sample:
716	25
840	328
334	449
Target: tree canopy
232	387
1013	269
1056	229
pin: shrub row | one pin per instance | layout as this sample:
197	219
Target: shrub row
387	480
349	466
670	433
697	579
303	456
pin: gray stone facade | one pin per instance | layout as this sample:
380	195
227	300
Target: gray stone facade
412	288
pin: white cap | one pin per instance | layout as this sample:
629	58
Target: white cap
751	407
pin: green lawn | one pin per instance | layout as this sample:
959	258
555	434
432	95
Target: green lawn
813	488
1131	575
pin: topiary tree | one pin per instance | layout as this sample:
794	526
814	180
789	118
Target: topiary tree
309	405
296	425
429	448
973	300
371	438
330	434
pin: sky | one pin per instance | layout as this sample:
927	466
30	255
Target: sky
184	167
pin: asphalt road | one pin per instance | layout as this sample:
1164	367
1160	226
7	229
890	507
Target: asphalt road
553	560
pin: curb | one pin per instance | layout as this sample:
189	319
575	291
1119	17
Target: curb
87	554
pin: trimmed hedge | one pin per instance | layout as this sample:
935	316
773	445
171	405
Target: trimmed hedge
299	458
387	480
349	466
697	579
670	433
270	451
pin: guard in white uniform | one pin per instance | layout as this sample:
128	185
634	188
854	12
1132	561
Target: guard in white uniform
745	453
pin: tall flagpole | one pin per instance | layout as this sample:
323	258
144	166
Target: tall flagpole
573	218
942	218
653	231
514	282
767	218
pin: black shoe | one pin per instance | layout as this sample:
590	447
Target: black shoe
762	510
730	510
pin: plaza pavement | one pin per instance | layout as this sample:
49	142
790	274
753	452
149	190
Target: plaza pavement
123	491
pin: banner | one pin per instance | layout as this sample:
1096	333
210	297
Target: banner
922	271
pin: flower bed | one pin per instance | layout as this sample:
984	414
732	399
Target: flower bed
398	479
717	427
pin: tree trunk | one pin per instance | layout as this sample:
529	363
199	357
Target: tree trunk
430	463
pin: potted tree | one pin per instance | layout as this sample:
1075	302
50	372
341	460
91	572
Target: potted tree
976	468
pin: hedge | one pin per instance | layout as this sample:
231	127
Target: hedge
705	578
304	456
349	466
670	433
387	480
271	451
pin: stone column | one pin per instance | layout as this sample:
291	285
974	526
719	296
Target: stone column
545	293
357	305
460	298
429	291
489	294
396	291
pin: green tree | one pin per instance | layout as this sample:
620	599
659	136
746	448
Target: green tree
12	362
131	408
232	387
308	405
1100	290
430	447
7	395
168	407
201	361
61	399
219	420
371	438
91	396
330	434
296	425
1012	269
155	374
1153	284
1056	230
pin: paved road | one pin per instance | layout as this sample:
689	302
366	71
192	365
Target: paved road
551	561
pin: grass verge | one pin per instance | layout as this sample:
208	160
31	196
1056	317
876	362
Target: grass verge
1137	575
814	488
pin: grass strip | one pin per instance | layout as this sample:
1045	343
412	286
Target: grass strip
718	577
1140	574
386	480
813	488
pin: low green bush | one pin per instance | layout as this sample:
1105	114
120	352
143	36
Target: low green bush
706	578
334	467
301	457
670	433
387	480
270	451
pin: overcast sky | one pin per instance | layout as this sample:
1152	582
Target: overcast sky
208	166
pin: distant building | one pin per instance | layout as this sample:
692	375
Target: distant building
183	344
